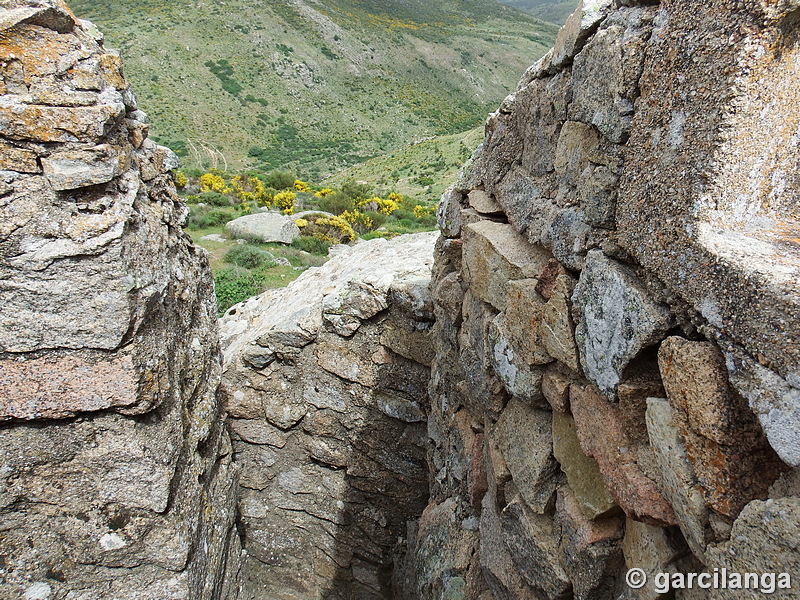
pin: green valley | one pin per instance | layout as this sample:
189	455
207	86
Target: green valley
316	86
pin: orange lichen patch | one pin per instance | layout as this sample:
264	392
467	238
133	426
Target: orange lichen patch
111	71
58	124
17	159
60	387
788	232
41	51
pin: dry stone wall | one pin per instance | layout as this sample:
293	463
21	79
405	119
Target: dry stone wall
615	292
326	386
116	476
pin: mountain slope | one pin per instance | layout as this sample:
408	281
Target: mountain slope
315	85
555	11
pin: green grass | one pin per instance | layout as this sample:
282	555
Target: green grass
249	83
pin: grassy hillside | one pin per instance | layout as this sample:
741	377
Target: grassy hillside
421	170
555	11
314	85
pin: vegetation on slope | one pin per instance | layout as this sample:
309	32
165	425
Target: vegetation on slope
314	85
329	216
554	11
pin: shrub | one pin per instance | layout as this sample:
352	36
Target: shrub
333	230
233	286
358	220
280	180
203	217
211	182
312	244
284	201
301	186
356	191
248	256
214	199
378	219
336	203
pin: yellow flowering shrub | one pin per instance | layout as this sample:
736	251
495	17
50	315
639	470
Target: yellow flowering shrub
422	211
301	223
285	201
333	230
180	179
358	220
210	182
323	193
387	206
301	186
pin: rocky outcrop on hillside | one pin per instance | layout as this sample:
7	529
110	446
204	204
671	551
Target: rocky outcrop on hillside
615	379
326	386
116	478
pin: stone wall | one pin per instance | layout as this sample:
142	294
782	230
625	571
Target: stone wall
617	321
116	478
326	384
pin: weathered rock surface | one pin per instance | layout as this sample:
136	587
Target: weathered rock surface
608	244
117	476
616	319
326	383
264	227
763	540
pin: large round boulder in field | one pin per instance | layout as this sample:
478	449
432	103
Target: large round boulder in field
264	227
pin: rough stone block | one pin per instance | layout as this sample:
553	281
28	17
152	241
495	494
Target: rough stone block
774	400
616	319
494	254
555	388
448	213
615	454
18	159
501	574
265	227
37	123
567	237
483	202
519	378
572	37
583	474
523	316
53	387
606	71
654	550
732	461
678	481
590	549
524	437
534	551
556	328
763	540
81	168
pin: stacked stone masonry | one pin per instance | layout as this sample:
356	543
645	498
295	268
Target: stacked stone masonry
326	387
116	476
616	378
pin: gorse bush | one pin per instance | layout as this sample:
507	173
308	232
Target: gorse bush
248	256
